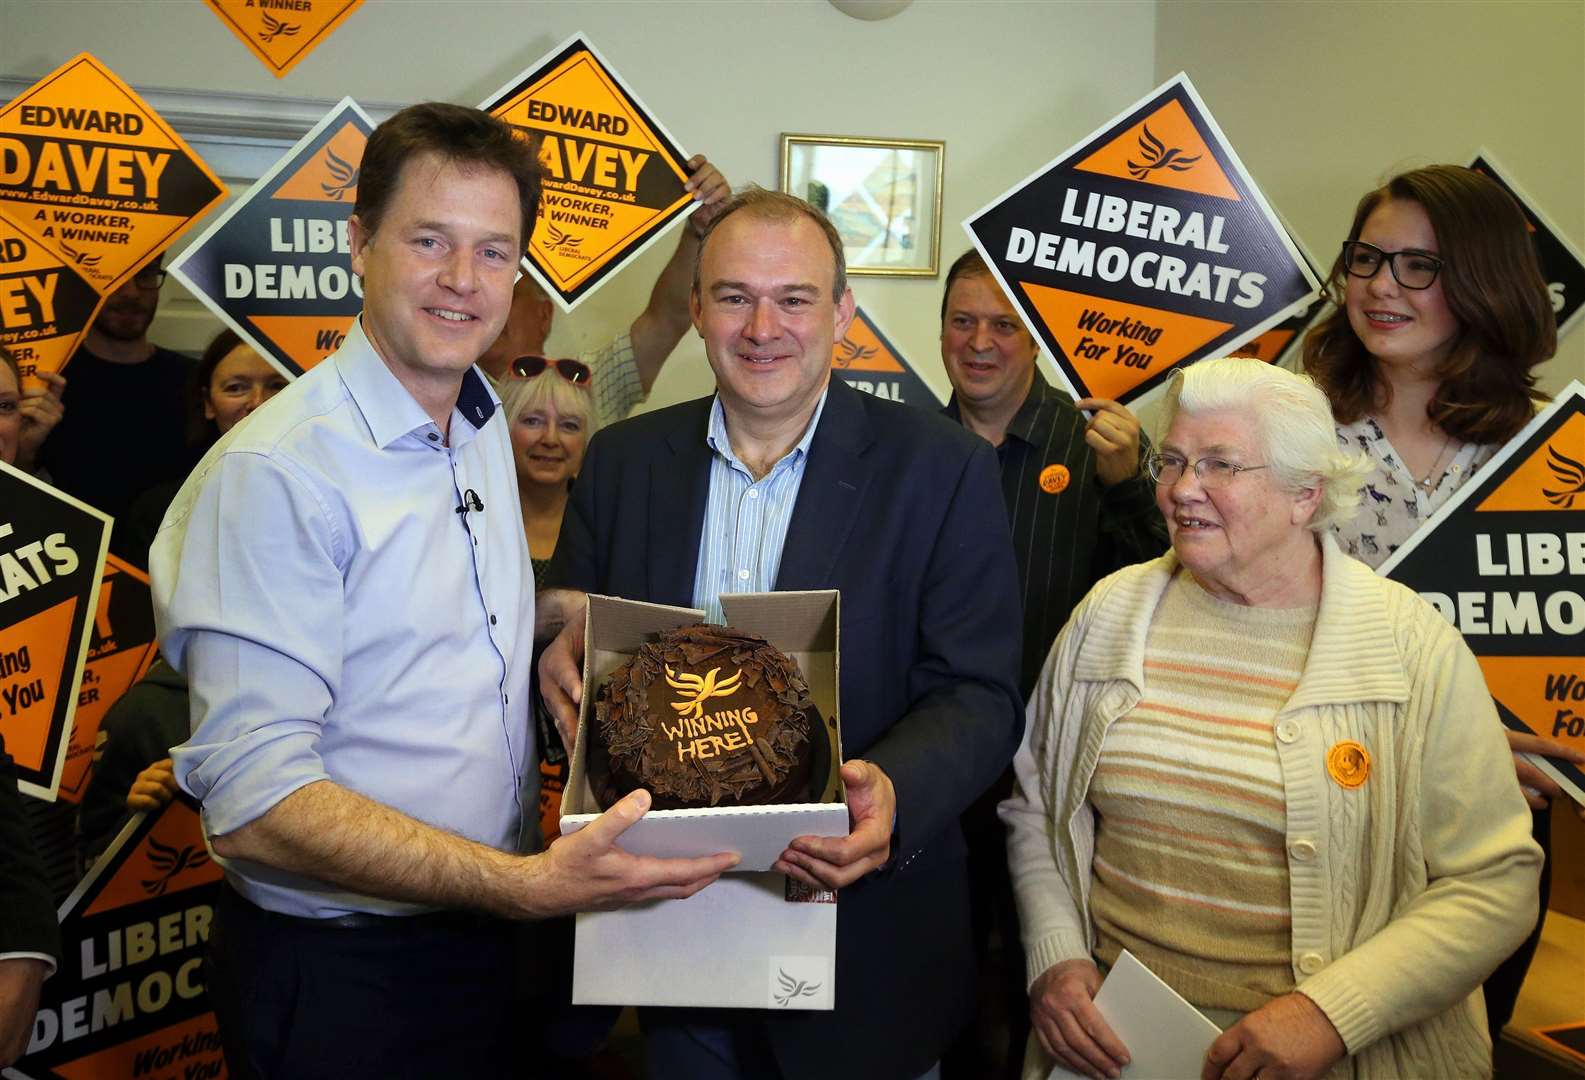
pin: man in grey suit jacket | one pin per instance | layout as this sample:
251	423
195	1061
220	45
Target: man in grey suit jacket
786	480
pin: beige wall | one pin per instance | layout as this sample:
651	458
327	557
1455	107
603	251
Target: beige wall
1325	100
726	78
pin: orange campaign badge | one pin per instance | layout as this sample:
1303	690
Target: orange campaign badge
133	936
121	651
88	168
866	360
613	176
51	551
1054	479
1503	560
1348	763
1145	246
282	32
46	305
276	266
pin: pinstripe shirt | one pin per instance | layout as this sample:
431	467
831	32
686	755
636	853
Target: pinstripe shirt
745	520
1068	530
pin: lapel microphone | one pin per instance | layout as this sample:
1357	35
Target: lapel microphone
470	501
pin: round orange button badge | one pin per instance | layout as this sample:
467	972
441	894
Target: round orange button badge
1348	763
1054	478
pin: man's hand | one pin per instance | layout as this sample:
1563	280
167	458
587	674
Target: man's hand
1289	1038
1063	1013
561	680
1113	433
830	862
709	188
586	871
41	410
153	788
1539	788
20	980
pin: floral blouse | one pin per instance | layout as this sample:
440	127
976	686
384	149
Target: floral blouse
1393	503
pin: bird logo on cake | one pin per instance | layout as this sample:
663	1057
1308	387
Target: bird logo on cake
700	688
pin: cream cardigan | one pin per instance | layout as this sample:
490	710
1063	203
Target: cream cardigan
1406	891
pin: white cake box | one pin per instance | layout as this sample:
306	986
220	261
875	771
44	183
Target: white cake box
750	940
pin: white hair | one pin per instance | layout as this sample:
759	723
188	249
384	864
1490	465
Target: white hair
1293	424
518	396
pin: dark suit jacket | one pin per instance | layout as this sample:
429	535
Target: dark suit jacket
900	510
27	911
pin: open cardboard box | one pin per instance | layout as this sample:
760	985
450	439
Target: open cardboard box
750	940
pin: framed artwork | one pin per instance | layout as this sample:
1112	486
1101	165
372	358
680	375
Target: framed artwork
883	195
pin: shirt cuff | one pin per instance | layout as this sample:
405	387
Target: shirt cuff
46	957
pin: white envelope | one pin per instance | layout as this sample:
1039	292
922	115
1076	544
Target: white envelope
1166	1036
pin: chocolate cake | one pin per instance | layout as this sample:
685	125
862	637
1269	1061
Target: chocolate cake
707	716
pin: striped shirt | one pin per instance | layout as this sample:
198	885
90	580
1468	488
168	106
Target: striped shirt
1067	539
745	520
1191	870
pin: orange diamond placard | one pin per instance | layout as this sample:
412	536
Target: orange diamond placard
46	305
867	360
613	176
276	267
133	936
51	550
1504	561
282	32
1145	246
88	168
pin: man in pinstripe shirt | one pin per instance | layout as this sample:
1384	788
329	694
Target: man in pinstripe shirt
1080	507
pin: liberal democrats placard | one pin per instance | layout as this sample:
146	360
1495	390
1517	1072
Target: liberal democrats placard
866	360
1504	561
1145	246
1562	265
277	266
613	176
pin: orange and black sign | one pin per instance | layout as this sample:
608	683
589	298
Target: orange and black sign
866	359
122	649
1145	246
613	176
89	169
46	306
1562	265
276	266
1504	561
129	997
1280	344
51	550
282	32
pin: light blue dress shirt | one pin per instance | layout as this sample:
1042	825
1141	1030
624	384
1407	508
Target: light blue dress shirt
338	619
745	520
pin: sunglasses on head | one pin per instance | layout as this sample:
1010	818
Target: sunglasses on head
574	371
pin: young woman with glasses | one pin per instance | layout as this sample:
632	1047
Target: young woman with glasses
1428	361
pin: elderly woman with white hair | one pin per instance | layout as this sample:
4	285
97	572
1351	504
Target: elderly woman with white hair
1272	776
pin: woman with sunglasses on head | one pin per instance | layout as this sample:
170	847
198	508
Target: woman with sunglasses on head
550	410
1442	317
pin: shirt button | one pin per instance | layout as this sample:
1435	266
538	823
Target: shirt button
1301	850
505	700
433	437
753	493
1311	962
1288	731
742	575
492	620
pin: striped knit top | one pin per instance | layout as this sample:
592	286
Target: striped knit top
1190	870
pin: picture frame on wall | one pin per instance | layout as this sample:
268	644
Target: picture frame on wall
883	196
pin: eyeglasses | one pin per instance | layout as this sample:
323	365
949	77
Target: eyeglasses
574	371
1411	269
149	279
1212	472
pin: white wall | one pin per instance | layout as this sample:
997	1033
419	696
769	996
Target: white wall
1006	85
1326	100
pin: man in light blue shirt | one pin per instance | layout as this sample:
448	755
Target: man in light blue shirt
345	582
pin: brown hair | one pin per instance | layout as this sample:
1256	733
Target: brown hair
460	136
970	264
778	206
1494	288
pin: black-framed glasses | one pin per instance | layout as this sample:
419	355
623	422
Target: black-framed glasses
1411	269
1212	472
149	279
532	366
